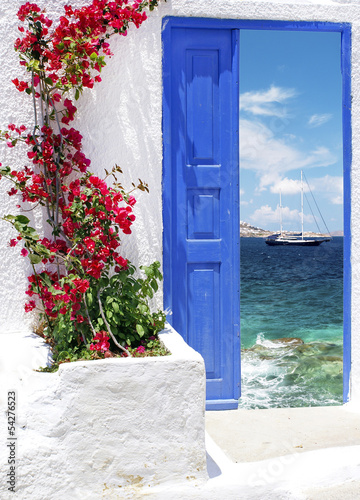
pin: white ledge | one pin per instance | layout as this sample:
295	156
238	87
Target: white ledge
114	424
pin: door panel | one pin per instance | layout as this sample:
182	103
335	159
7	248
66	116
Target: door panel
204	271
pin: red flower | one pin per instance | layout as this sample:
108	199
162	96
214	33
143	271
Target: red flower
131	201
29	306
24	252
81	285
90	244
122	262
21	86
102	342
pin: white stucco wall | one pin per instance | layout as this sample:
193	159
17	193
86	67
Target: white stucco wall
110	428
121	122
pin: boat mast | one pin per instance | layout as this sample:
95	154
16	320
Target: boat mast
302	207
281	228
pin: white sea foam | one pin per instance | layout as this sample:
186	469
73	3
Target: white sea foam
270	344
279	375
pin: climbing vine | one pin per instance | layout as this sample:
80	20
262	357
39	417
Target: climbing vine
85	291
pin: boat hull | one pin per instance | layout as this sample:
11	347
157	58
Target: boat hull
299	243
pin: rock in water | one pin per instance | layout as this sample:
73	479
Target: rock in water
290	341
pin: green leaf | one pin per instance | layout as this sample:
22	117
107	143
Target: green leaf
140	330
5	170
33	63
89	299
45	278
77	94
22	219
104	282
49	81
143	308
154	285
93	56
34	259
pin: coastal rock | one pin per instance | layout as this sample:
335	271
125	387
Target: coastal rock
331	359
290	341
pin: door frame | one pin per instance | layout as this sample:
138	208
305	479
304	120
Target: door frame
168	236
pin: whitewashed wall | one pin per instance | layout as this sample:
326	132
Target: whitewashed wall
110	428
121	122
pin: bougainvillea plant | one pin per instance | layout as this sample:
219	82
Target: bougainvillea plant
89	296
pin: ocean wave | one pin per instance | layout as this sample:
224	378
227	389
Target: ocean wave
287	372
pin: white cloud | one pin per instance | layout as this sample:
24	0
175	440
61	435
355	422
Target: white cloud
266	102
337	200
288	186
270	157
328	183
266	215
242	192
332	186
318	120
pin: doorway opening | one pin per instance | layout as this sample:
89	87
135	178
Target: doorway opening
201	182
291	165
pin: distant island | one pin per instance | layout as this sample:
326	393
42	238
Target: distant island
249	231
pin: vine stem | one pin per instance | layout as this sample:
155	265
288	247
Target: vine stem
35	110
57	162
42	300
108	326
88	317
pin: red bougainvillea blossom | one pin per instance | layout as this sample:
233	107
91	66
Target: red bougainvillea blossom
101	342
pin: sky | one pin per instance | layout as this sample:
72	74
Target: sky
290	120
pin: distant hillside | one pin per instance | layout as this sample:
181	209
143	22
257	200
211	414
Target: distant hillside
249	231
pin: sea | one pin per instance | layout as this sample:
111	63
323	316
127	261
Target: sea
291	306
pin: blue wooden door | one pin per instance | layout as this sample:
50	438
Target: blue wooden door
201	209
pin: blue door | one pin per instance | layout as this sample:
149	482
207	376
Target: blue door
201	205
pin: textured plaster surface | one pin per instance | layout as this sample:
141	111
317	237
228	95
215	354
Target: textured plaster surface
114	425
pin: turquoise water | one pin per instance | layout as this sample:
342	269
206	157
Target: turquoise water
291	293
